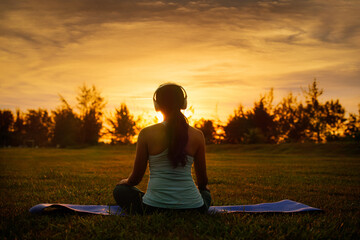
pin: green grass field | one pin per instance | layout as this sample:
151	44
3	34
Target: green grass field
325	176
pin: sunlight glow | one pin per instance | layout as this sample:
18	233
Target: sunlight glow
159	117
188	113
196	45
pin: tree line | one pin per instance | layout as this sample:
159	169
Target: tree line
65	127
288	121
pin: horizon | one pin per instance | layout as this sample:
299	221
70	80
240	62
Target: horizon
189	112
224	53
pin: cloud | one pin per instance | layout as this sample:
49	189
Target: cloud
227	50
326	21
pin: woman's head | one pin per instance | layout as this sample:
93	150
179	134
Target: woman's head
170	97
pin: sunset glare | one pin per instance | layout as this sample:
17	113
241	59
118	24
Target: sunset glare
224	53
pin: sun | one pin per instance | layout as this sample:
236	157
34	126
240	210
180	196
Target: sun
159	117
188	113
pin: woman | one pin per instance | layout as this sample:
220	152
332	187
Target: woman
171	147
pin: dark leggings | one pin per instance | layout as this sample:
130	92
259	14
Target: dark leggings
130	200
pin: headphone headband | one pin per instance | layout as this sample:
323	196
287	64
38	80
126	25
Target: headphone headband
156	105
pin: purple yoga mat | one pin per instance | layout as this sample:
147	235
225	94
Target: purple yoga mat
284	206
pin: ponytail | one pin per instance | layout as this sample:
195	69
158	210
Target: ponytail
170	98
177	133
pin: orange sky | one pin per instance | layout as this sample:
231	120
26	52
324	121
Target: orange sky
223	52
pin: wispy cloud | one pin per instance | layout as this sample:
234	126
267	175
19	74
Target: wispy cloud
229	50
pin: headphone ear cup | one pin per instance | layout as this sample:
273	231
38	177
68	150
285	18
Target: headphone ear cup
156	106
184	106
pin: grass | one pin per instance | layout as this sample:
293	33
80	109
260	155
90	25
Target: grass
324	176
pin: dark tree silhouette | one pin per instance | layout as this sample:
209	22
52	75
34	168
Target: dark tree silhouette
262	120
208	129
352	127
254	126
237	126
6	125
91	105
122	125
254	135
19	130
300	130
67	126
284	115
315	111
291	120
334	117
38	126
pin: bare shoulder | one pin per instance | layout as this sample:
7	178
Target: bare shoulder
196	133
151	130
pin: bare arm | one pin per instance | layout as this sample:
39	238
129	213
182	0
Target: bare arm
200	166
140	163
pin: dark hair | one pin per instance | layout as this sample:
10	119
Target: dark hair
170	99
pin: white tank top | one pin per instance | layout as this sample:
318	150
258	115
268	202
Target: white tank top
170	187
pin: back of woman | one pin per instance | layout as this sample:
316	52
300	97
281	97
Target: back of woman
170	186
171	148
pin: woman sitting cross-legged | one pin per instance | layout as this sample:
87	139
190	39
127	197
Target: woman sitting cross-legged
171	147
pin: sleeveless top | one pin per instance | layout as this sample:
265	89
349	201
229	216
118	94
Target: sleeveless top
170	187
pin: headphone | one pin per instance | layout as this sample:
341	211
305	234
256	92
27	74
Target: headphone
156	105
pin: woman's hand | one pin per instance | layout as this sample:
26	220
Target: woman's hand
203	188
123	182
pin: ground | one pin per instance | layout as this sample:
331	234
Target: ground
325	176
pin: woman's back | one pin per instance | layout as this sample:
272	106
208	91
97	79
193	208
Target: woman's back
157	140
171	187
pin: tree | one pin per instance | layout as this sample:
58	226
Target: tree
122	125
254	135
67	126
91	105
259	124
352	127
291	120
38	127
300	131
334	117
255	126
208	129
315	111
262	119
6	125
284	115
237	126
19	130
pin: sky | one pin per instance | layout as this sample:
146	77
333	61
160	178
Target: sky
224	53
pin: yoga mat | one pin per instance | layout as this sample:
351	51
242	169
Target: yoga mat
284	206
